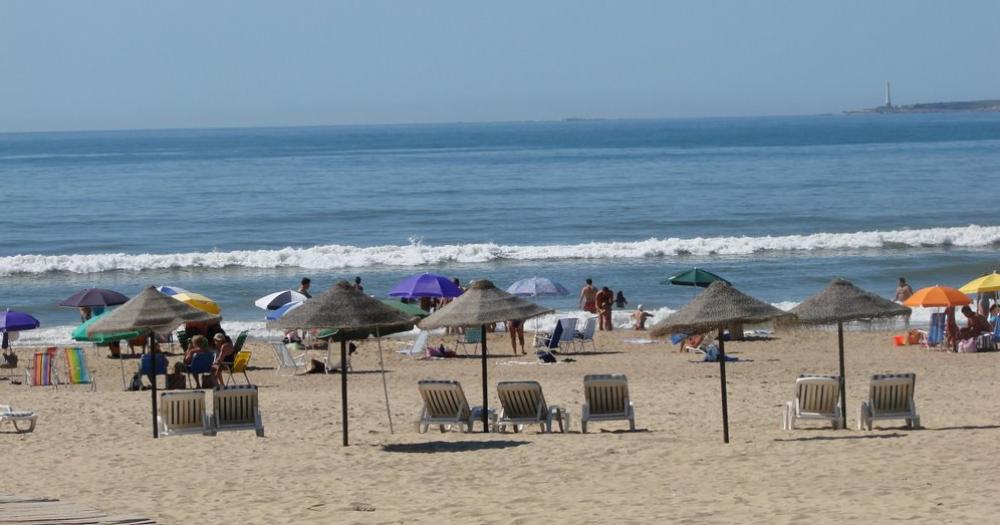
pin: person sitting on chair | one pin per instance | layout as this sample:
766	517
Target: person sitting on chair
224	359
977	323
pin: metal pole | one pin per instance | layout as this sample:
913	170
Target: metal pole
722	382
152	379
843	378
385	386
343	387
486	399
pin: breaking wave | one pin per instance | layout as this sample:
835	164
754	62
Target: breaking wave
332	257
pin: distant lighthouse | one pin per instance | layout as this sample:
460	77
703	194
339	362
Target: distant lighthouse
888	95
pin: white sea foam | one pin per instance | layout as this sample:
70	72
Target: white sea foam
331	257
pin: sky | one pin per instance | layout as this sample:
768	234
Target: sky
120	64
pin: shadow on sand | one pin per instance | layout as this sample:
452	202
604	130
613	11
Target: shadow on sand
839	438
451	446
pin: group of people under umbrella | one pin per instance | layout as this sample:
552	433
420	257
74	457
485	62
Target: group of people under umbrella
349	314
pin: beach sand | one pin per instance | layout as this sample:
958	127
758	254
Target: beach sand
96	448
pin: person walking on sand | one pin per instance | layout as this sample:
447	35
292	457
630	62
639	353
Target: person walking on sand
516	329
903	292
605	299
588	297
304	287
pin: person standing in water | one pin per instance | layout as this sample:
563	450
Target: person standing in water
304	287
620	300
357	284
588	297
605	299
903	292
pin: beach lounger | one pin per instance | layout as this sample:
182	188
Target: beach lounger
607	399
15	417
286	359
77	372
419	346
549	341
890	396
587	334
183	413
445	405
239	366
473	336
816	397
236	408
201	364
522	403
40	373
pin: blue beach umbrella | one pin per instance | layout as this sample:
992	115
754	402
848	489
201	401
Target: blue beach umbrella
14	321
425	285
535	286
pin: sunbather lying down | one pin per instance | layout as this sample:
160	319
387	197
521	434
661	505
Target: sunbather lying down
692	342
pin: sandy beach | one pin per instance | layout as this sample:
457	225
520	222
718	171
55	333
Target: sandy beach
96	447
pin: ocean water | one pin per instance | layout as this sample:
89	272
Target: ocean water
776	205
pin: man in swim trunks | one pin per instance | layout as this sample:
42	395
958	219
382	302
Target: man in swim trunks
605	298
588	297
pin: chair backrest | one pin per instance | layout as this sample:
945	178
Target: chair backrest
589	327
183	339
474	334
555	337
42	372
182	410
817	394
145	366
77	372
419	344
996	332
240	361
241	339
235	406
201	363
606	394
935	335
52	351
891	393
522	399
283	355
568	328
444	399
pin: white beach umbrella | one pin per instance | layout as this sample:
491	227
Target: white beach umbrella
276	300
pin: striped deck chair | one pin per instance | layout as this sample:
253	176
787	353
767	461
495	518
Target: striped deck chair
40	372
935	334
77	372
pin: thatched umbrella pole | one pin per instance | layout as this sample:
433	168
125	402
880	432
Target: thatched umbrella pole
343	387
843	376
152	379
486	397
722	386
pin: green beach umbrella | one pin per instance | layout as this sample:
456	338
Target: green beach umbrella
406	308
694	277
80	333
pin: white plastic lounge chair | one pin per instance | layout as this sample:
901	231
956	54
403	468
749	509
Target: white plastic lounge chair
445	405
9	415
890	396
607	399
183	413
235	408
286	359
522	403
587	335
419	347
816	397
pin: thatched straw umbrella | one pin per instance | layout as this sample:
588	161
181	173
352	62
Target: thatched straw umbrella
842	302
480	305
719	306
149	312
355	316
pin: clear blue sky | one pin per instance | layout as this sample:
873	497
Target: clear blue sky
138	64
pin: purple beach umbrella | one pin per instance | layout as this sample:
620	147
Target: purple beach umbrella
425	285
14	321
94	297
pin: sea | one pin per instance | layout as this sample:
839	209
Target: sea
776	205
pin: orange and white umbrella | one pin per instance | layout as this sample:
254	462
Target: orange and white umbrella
937	296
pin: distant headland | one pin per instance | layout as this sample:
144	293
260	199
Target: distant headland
983	106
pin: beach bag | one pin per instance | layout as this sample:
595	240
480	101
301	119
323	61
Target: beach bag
984	343
967	345
9	360
547	357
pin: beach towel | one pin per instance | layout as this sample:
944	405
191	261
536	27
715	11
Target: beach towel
76	366
42	372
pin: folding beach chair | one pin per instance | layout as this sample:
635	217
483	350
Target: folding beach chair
445	405
587	334
473	336
522	403
77	372
419	346
286	359
550	341
890	396
607	399
146	364
15	417
568	337
201	364
239	366
236	408
183	413
816	397
935	334
40	373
